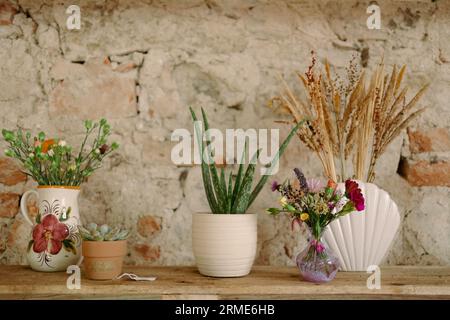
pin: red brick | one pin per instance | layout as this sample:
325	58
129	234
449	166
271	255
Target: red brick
3	236
10	173
425	173
148	225
102	93
125	67
9	204
437	139
7	12
148	252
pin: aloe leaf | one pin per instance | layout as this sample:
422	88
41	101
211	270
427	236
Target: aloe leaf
237	183
205	170
245	189
223	188
280	151
230	192
218	187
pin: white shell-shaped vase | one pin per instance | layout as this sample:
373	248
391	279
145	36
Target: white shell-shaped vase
361	239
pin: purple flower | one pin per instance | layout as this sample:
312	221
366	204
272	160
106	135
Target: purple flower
301	179
275	186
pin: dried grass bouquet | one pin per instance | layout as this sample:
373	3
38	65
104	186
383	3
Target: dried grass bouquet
350	119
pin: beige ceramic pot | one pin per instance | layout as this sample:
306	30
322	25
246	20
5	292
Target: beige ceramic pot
103	259
224	244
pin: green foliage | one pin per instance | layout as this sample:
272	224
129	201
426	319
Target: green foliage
69	245
30	244
237	198
52	162
93	232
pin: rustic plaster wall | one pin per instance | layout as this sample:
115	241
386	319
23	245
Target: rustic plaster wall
141	63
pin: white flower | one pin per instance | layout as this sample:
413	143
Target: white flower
31	155
283	201
62	143
50	153
339	205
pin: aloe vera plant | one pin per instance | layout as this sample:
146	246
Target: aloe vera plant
235	196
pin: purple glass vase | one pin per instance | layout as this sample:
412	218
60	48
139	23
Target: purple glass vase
316	262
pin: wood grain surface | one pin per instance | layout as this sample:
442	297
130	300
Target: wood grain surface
20	282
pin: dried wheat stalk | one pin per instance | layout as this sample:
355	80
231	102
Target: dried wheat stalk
347	118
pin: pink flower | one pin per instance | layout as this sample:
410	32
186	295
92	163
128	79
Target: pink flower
318	246
353	192
49	234
315	185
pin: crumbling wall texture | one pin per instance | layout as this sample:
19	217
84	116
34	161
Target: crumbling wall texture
141	63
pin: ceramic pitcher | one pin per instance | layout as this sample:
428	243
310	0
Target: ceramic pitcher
55	241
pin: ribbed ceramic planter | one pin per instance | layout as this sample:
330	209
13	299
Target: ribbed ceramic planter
224	244
361	239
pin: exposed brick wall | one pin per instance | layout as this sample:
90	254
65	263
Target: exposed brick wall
141	65
436	139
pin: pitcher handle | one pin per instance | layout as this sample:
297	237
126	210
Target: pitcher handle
23	205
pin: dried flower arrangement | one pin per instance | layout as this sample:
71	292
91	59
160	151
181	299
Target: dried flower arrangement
350	118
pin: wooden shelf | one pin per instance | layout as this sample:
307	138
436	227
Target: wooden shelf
20	282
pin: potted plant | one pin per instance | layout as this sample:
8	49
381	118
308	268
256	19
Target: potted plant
55	241
350	124
224	241
104	249
316	205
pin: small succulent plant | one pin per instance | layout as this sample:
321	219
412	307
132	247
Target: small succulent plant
93	232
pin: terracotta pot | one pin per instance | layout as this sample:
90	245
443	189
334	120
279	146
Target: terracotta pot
103	259
224	244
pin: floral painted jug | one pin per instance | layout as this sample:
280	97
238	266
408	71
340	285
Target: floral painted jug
55	241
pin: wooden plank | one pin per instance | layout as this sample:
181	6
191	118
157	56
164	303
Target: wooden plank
20	282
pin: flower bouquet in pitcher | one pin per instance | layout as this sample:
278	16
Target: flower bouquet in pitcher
316	204
55	240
